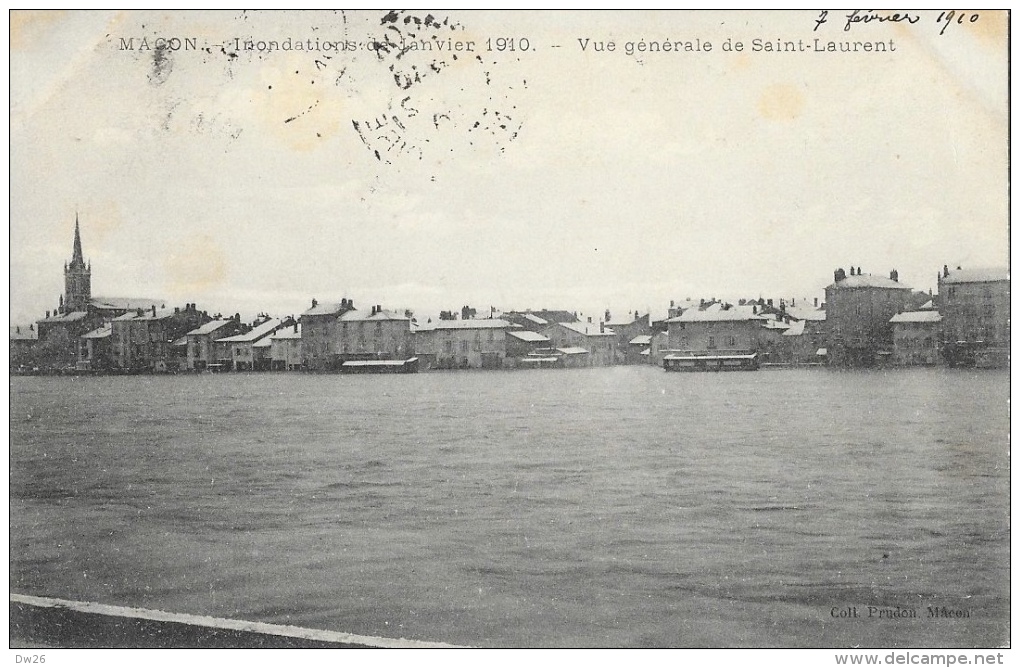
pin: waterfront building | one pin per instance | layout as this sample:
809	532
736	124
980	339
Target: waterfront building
916	338
141	340
463	344
858	312
636	327
319	338
243	353
520	343
594	338
806	339
771	343
377	334
202	350
718	329
23	342
97	349
974	304
285	349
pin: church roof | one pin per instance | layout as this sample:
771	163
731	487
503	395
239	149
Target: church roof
124	303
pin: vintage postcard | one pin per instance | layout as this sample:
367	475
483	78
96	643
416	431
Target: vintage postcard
511	329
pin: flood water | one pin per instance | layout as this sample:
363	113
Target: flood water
622	506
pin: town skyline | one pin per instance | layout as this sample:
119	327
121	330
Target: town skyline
238	185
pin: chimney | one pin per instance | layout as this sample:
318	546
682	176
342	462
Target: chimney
769	302
177	310
315	302
672	303
17	330
373	310
945	271
139	311
295	328
816	302
602	328
378	308
858	271
894	275
153	310
754	309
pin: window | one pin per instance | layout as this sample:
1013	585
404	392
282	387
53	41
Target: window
463	346
731	341
711	342
448	347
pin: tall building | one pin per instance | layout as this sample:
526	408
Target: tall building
859	308
974	304
77	278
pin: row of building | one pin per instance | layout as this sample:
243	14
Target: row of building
865	320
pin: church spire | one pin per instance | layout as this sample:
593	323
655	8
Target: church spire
76	257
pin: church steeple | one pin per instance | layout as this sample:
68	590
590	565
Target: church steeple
77	277
76	257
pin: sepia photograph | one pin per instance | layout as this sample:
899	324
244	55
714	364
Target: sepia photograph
510	330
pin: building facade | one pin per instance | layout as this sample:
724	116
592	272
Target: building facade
859	308
141	340
594	338
319	338
463	344
719	329
286	349
201	347
377	334
974	304
917	338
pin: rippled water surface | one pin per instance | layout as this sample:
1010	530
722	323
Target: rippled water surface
622	506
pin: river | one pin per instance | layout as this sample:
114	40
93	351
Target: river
620	507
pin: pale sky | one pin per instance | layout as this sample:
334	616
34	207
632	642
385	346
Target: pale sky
605	180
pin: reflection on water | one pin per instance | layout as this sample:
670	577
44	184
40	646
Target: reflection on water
593	507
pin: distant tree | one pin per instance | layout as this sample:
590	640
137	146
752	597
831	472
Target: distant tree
447	315
467	313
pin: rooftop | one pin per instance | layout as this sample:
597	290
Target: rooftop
587	328
354	315
525	335
73	316
23	333
716	313
796	328
979	275
643	340
209	327
287	333
258	332
869	281
803	313
326	308
466	324
125	303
